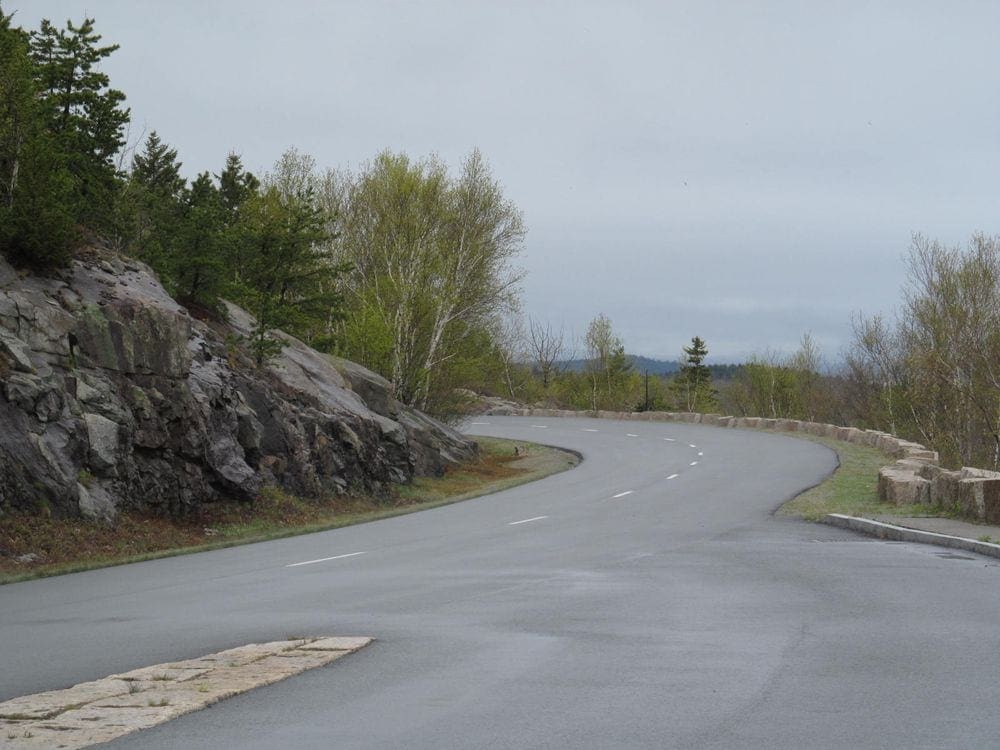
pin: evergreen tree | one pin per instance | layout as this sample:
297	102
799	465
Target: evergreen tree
86	117
236	187
36	190
236	184
155	205
17	95
693	384
157	167
197	260
286	275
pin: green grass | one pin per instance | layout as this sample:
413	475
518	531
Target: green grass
852	489
73	545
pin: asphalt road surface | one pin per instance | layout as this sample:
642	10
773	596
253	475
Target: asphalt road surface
646	599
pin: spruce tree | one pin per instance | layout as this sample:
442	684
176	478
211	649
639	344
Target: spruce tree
198	253
236	184
693	384
157	167
155	205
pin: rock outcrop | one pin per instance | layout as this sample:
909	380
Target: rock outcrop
112	396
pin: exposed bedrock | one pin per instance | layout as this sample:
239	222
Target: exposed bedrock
112	396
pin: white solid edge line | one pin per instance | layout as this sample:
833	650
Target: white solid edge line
527	520
694	463
325	559
673	476
623	494
480	422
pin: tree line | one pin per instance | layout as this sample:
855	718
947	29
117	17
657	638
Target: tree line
401	266
929	373
409	269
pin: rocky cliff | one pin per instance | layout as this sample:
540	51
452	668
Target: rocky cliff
113	396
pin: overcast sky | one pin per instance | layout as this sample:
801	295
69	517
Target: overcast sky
743	171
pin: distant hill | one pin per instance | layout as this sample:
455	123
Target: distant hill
654	366
639	364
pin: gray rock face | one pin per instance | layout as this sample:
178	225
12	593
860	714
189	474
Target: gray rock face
431	445
112	397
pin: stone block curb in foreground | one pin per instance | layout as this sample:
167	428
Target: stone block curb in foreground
94	712
903	534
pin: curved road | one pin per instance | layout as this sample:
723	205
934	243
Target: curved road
646	599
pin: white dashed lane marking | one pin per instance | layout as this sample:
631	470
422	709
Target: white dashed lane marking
629	434
671	440
541	426
693	463
527	520
622	494
589	429
325	559
692	445
673	476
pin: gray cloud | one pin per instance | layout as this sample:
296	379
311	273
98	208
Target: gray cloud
743	171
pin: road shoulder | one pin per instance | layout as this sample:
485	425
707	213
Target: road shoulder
943	532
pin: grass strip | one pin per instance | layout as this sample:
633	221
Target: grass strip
54	546
852	489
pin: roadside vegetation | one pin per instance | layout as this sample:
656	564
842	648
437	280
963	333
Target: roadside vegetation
36	546
852	488
930	373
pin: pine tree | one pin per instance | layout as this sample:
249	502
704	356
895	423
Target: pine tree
286	276
37	195
86	117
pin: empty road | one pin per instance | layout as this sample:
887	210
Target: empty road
646	599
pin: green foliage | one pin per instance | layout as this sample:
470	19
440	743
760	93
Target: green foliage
692	387
37	219
85	116
430	258
785	387
286	279
236	185
934	376
608	368
38	228
153	205
199	272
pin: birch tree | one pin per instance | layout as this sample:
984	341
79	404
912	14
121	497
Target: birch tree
546	345
431	264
